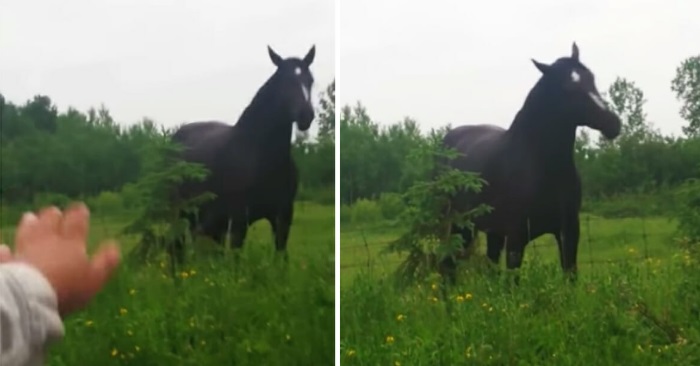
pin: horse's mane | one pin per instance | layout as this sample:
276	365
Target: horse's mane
263	98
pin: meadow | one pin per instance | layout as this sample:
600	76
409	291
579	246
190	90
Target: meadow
260	314
635	302
215	310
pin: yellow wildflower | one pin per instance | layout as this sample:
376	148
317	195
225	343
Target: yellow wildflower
460	298
88	323
184	274
468	296
350	353
123	311
114	352
389	339
400	317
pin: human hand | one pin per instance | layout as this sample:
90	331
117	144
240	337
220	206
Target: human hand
5	253
55	243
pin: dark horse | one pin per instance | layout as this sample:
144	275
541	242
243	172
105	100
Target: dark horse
251	170
532	183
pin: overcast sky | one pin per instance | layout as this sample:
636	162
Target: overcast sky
171	60
465	62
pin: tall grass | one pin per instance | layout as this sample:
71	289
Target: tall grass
214	313
630	314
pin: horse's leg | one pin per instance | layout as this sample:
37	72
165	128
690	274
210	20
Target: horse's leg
568	243
281	223
515	249
494	246
214	227
448	265
176	250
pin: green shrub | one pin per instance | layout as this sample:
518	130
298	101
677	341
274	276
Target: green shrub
391	204
365	211
106	203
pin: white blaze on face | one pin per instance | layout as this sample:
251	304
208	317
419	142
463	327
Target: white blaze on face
597	100
575	77
305	91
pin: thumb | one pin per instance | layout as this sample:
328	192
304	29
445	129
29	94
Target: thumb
103	264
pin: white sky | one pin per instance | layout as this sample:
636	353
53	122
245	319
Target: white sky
172	60
466	62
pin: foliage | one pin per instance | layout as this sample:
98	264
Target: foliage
365	211
625	314
688	211
391	204
260	315
429	215
158	222
686	85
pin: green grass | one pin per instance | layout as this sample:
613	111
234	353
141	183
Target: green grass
260	315
630	311
601	240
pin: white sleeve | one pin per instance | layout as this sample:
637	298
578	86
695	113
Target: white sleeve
29	319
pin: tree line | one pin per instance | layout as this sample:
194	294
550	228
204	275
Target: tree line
53	157
642	162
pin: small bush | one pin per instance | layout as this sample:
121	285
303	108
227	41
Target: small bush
688	211
365	211
106	203
392	205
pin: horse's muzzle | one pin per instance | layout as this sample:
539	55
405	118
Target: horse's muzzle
610	127
607	123
305	119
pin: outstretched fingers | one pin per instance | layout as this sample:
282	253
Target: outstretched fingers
5	253
76	223
103	264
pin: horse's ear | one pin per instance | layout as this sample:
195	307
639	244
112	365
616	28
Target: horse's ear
540	66
574	51
309	58
276	59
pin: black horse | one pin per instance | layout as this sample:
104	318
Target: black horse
532	183
251	170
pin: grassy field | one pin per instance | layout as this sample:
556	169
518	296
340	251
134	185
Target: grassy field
636	303
262	315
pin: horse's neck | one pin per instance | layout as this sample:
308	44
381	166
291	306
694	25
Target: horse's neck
266	129
546	136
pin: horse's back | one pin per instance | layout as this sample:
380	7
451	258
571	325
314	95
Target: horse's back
475	143
204	134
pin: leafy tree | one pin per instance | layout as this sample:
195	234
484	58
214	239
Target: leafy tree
686	85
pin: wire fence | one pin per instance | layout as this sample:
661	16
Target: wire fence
603	241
